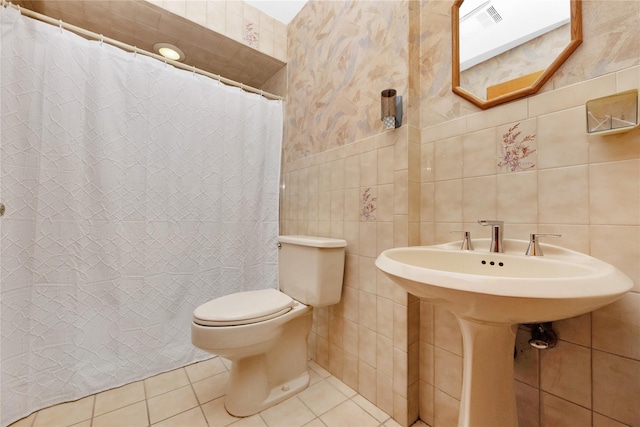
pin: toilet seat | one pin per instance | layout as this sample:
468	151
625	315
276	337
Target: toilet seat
243	308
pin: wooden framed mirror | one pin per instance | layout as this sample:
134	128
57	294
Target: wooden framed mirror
498	57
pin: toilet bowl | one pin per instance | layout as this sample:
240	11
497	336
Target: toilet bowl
264	333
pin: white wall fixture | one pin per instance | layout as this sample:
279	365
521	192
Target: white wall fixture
613	114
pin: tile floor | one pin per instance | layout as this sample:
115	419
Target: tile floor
193	396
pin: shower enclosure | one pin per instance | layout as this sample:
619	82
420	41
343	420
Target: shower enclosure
134	192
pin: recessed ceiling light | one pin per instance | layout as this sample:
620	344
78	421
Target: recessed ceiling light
169	51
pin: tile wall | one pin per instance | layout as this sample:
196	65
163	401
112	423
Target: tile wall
447	172
359	193
586	188
236	20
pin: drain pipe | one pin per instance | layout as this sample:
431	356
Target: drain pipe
542	336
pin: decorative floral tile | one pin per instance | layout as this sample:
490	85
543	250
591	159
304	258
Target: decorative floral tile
250	35
517	150
368	206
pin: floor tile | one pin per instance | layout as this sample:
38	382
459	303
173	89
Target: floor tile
292	412
211	388
252	421
348	414
371	409
131	416
118	398
191	418
193	396
206	368
316	422
65	414
165	382
216	415
321	397
171	403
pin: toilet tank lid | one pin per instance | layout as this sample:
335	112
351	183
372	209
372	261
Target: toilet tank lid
317	242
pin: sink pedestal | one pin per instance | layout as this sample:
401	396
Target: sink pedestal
488	395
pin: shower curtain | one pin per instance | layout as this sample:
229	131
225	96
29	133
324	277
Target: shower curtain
134	192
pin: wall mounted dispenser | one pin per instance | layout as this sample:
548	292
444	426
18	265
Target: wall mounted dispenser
613	114
391	109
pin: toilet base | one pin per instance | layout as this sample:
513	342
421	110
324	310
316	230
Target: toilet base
241	404
260	381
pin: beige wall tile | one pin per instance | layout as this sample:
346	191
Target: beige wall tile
448	201
558	412
384	357
602	421
613	186
427	162
196	11
446	410
369	168
562	140
528	404
448	156
563	195
618	246
385	165
447	333
448	372
367	346
628	79
400	371
621	146
479	198
575	329
427	363
616	386
478	153
350	374
518	197
566	372
572	96
496	116
616	327
527	360
367	381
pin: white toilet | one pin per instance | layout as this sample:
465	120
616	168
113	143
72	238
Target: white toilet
264	333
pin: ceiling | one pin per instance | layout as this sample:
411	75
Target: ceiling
142	24
282	10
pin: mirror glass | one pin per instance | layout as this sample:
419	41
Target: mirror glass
507	49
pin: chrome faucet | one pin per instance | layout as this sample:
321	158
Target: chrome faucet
534	246
496	233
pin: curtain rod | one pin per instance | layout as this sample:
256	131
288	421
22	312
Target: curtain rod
137	50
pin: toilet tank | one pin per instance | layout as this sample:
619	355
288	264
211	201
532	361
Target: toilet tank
311	269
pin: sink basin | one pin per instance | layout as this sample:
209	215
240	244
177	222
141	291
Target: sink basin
507	287
490	293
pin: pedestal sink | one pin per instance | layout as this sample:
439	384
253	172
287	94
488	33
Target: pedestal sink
490	294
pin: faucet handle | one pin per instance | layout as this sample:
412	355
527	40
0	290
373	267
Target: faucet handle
534	247
485	222
466	241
